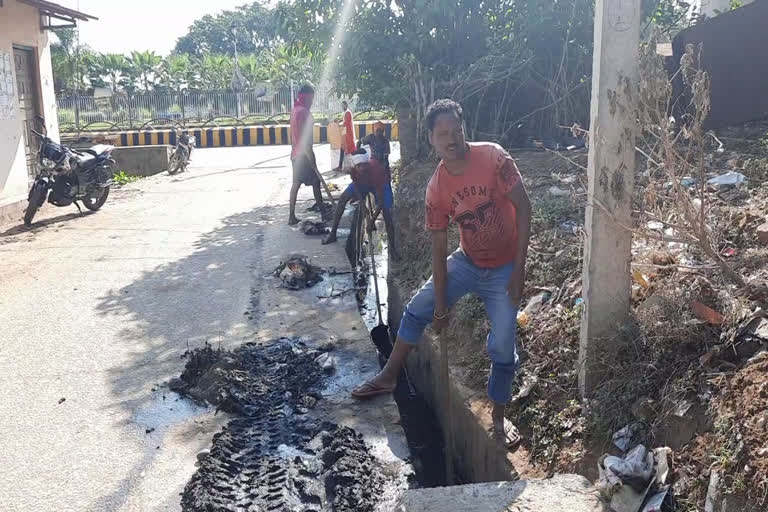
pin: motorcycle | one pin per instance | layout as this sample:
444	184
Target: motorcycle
68	176
180	157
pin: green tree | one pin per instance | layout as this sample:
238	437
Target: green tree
254	67
70	62
143	69
215	71
176	72
94	72
519	67
669	16
112	67
296	63
255	30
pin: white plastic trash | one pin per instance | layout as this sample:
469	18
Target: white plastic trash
361	158
730	178
559	192
638	463
335	156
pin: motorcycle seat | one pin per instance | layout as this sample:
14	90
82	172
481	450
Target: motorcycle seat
87	161
98	149
88	157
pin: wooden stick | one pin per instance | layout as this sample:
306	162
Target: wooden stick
373	264
445	377
320	177
325	186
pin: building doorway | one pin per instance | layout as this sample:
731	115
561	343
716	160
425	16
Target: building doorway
29	102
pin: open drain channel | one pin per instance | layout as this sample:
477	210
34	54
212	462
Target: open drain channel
274	455
421	426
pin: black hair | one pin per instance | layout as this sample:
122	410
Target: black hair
307	89
345	102
444	106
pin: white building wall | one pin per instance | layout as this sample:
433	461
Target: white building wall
20	24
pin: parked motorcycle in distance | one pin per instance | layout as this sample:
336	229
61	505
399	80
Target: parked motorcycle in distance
180	157
68	176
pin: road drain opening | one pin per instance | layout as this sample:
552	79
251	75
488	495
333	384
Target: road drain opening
274	455
421	426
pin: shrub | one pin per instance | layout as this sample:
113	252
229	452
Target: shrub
122	178
66	116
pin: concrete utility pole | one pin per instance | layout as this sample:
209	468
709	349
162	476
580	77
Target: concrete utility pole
607	255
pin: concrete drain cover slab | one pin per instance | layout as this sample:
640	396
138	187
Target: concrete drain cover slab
562	493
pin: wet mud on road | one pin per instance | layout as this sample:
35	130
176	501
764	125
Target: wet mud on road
275	454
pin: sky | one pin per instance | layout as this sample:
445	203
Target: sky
141	24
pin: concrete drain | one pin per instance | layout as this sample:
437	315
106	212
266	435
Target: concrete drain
274	456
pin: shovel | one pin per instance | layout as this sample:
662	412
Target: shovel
380	333
322	181
445	377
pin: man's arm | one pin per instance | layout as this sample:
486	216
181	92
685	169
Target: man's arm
522	203
436	219
440	276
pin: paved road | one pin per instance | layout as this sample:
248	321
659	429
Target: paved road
95	312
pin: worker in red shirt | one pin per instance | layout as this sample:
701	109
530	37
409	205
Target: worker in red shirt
478	186
372	177
302	155
348	134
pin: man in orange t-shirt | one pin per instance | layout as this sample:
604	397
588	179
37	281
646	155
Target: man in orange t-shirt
478	186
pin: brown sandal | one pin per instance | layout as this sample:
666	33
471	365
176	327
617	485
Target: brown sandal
510	437
370	390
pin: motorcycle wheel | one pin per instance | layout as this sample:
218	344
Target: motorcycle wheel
36	198
175	164
93	202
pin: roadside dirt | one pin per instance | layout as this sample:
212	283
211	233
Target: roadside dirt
685	381
274	455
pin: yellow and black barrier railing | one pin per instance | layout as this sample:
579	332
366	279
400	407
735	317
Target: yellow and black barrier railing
231	136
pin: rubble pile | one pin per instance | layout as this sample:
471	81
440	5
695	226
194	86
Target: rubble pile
314	228
297	273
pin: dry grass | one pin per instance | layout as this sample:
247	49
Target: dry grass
658	364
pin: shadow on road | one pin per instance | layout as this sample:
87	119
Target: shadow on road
185	303
211	295
177	307
257	165
44	223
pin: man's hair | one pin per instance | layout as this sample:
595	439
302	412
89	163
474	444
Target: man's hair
307	89
444	106
345	103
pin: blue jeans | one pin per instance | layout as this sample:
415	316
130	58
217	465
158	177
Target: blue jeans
490	284
387	201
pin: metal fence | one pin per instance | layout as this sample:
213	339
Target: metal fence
262	103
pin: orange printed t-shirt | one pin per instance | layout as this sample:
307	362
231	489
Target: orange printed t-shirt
477	201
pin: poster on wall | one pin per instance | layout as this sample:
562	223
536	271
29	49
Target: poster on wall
7	90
